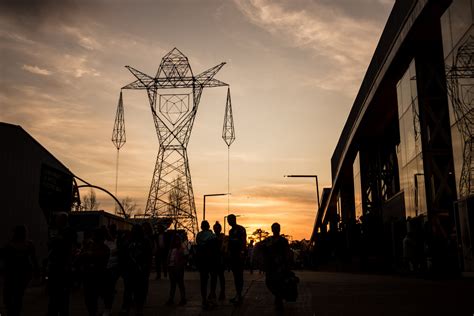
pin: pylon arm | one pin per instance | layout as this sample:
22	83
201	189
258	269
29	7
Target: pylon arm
460	73
213	83
206	76
143	80
228	131
118	134
136	85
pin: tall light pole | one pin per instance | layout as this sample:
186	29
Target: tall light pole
307	176
204	204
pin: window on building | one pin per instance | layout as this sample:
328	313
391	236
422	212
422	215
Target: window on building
357	188
458	41
409	154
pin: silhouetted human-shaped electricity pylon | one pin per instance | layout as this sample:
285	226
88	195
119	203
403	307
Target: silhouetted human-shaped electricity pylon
174	94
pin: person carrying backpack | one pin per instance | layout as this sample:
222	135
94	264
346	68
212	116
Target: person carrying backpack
277	259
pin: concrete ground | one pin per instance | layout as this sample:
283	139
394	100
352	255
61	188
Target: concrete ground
320	293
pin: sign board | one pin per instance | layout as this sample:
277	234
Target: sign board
55	193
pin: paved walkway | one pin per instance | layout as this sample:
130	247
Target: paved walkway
320	293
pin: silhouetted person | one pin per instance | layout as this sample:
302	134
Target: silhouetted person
206	252
161	252
94	258
20	266
219	265
112	273
150	240
176	264
409	252
61	244
137	258
250	251
277	255
123	242
237	247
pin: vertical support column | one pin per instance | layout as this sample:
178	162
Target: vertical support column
436	144
347	195
435	127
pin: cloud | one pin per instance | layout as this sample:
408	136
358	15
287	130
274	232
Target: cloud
86	41
15	37
33	14
77	66
342	43
36	70
291	192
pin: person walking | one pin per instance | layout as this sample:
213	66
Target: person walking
250	251
237	247
137	258
277	258
94	260
161	252
219	264
206	252
20	267
112	273
62	243
176	263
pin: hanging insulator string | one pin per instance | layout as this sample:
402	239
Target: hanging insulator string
116	171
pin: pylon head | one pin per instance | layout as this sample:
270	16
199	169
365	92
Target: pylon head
174	66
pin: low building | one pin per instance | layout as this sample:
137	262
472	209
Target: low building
33	185
85	222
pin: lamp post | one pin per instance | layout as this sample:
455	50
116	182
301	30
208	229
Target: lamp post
204	204
307	176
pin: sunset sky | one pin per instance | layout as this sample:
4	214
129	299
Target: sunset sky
294	68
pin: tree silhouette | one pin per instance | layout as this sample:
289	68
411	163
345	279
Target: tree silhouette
177	200
89	202
289	237
260	234
129	206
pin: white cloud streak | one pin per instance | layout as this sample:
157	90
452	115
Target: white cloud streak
85	41
36	70
342	43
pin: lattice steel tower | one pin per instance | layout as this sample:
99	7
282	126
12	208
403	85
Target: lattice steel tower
174	94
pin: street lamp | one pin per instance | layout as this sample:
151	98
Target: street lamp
204	205
307	176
